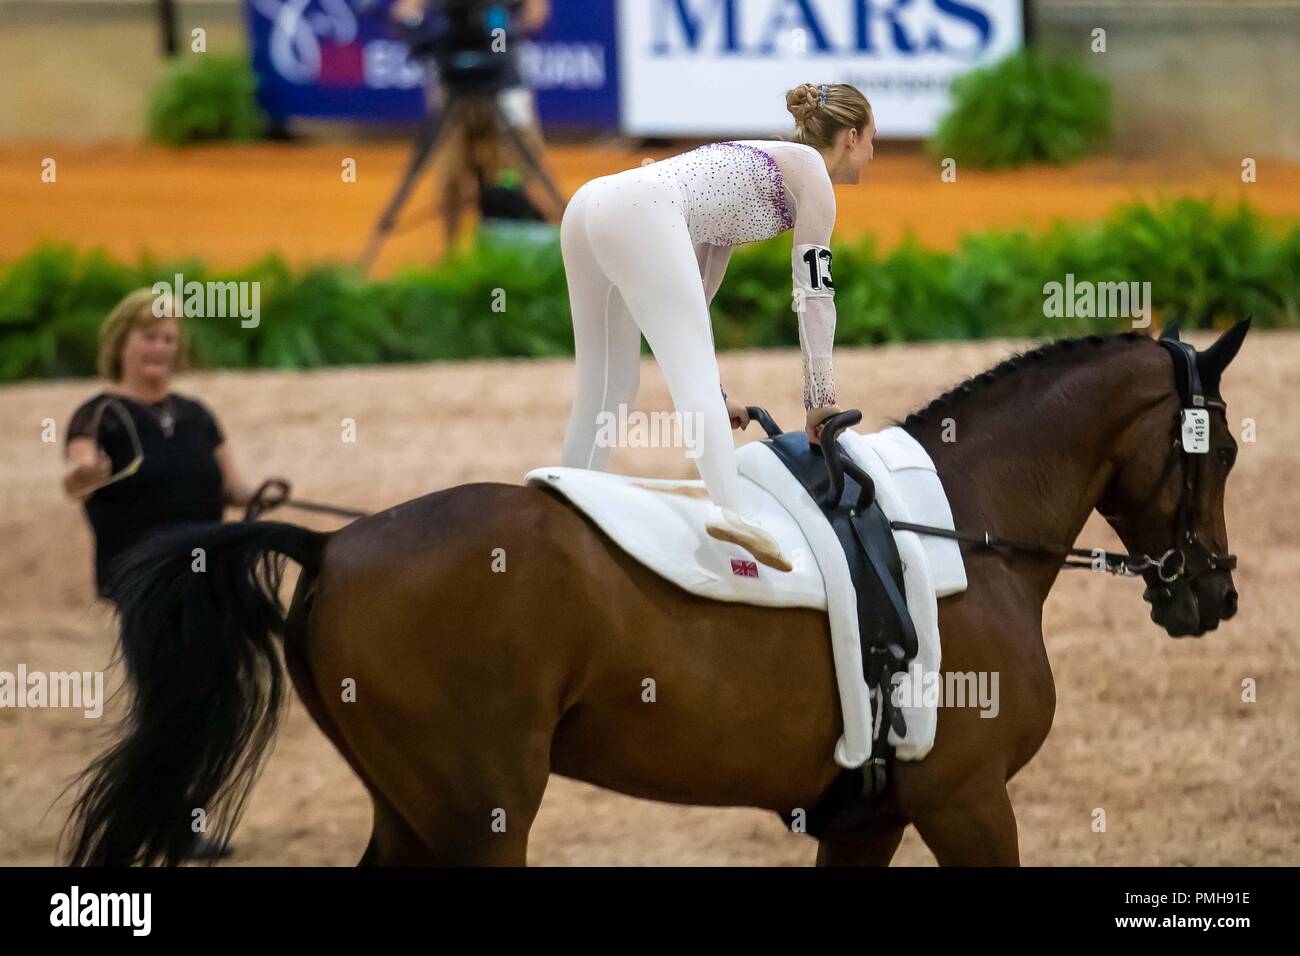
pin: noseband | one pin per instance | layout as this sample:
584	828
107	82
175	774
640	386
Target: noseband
1190	447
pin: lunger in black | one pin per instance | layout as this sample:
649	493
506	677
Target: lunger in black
179	480
140	457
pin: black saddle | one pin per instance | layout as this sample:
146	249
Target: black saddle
847	496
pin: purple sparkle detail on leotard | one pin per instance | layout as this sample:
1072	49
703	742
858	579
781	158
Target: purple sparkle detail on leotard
777	182
733	192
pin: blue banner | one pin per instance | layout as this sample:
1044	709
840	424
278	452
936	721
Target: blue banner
344	59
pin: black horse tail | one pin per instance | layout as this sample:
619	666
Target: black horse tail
200	611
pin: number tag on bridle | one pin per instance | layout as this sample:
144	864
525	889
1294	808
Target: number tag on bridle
1196	431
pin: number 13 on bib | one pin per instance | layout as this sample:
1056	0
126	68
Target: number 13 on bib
812	272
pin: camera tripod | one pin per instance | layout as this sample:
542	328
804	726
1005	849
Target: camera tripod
456	116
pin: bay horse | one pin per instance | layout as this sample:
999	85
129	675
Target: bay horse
461	647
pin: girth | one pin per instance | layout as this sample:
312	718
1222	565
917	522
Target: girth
846	495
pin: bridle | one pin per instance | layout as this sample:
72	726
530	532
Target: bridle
1188	556
1191	446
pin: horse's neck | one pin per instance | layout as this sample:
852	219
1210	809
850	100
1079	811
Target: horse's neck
1030	457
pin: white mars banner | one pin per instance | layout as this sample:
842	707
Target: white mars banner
721	67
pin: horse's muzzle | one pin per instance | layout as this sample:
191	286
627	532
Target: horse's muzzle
1189	607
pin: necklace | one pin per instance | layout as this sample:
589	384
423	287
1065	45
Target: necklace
165	415
163	411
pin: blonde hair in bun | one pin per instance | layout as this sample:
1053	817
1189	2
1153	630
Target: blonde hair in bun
819	118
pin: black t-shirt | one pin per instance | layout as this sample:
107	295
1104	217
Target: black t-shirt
178	482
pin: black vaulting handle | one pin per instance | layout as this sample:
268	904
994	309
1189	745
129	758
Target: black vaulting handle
760	415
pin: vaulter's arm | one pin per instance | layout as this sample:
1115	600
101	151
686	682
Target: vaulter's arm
814	288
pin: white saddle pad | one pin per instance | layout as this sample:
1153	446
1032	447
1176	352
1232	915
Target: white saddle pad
660	523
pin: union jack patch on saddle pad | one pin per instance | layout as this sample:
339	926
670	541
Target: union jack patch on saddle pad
744	569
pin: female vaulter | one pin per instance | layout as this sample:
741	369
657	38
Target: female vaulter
646	249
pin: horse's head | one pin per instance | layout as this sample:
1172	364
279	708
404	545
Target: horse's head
1166	499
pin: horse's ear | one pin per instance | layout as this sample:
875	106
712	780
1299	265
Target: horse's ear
1218	356
1170	331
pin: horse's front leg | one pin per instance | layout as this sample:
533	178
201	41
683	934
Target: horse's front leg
975	826
872	843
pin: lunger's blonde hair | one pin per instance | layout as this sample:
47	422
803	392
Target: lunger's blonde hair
136	311
817	122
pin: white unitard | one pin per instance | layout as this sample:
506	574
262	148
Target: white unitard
644	253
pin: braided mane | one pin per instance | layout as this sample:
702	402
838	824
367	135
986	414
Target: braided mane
1051	352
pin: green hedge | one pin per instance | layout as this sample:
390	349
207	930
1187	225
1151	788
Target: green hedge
206	97
1204	264
1027	108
